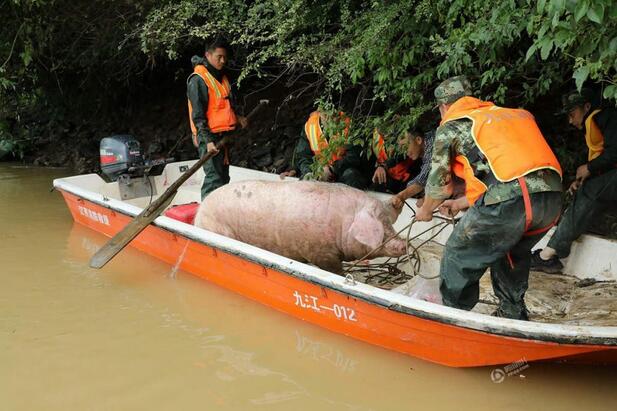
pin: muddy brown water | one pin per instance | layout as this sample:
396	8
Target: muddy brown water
134	336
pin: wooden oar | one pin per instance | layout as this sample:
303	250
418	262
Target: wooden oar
150	213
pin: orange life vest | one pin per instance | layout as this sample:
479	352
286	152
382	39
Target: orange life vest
400	171
316	139
509	140
593	137
219	113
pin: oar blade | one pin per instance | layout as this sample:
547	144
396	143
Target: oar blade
125	236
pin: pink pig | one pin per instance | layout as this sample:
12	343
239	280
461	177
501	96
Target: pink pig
322	223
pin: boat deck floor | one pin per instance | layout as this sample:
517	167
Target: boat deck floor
551	298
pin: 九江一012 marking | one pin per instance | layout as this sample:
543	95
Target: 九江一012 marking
311	302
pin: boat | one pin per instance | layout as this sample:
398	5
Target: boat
344	304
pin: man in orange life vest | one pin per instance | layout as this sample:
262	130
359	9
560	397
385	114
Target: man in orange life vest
347	166
402	173
512	189
595	186
212	112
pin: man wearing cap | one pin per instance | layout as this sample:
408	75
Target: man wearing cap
595	186
512	189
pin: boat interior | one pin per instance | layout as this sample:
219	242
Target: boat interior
584	295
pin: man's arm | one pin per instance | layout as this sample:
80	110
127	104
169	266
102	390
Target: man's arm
197	93
439	181
303	156
608	159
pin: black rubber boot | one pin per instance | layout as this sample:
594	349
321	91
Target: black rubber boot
550	266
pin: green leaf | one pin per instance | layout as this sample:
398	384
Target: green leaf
580	75
26	56
581	9
547	46
558	5
596	14
610	92
540	6
531	52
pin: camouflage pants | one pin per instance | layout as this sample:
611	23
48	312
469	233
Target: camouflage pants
215	170
595	196
493	236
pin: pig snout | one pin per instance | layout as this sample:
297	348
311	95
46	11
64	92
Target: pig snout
395	247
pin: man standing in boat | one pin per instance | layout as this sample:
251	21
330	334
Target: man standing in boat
212	112
595	186
512	189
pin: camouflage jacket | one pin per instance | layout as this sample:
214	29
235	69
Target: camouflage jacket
455	138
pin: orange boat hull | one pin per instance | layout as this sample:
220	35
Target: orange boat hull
431	340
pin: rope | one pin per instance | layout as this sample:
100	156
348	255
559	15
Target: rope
389	272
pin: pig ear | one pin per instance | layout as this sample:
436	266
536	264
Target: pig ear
366	229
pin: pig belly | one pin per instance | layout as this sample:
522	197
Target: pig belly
302	221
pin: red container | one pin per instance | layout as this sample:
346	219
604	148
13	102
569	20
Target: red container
183	212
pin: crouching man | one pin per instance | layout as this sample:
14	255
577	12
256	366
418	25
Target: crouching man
347	165
595	187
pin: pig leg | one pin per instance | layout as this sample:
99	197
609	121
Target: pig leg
333	265
327	262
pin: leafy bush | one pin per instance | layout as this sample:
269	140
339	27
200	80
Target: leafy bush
388	56
378	60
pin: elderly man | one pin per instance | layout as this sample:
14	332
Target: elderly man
212	112
595	187
512	189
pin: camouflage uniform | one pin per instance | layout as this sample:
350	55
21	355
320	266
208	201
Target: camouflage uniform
491	233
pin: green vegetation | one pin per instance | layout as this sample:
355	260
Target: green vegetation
381	58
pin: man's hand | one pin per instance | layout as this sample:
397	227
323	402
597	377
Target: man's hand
290	173
424	214
397	202
582	172
451	208
379	177
576	184
211	147
327	174
308	177
243	121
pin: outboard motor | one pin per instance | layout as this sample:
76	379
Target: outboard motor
122	161
121	155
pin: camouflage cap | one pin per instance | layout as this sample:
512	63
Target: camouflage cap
452	89
576	99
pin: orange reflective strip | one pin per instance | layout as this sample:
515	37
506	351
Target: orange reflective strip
509	257
379	149
527	200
